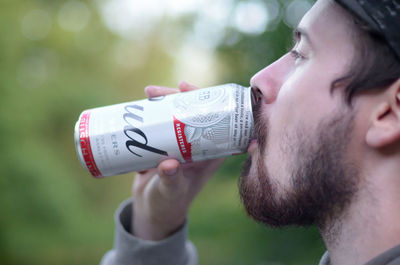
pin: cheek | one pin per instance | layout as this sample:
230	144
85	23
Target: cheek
303	101
304	96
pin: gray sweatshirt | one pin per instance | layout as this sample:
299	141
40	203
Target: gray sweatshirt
130	250
177	249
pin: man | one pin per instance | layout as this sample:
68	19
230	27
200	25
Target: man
326	148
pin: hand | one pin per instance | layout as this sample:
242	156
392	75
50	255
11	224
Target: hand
162	196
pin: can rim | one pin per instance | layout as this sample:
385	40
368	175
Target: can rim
78	145
250	103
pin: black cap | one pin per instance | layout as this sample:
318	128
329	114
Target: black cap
383	16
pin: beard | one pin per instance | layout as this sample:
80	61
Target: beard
322	180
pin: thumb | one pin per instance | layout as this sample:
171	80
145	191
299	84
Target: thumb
169	172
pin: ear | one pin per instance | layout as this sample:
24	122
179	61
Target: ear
385	124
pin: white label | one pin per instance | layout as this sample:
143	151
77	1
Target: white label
191	126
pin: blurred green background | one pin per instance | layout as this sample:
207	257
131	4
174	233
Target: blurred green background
59	57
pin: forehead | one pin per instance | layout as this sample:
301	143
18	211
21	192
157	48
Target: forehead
328	24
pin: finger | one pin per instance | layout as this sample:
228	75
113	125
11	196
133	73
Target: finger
169	171
203	170
185	86
156	91
141	179
145	173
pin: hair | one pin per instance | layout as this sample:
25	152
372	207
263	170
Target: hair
374	66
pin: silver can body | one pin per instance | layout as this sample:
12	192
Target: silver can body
191	126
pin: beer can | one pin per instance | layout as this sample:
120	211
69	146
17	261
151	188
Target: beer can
190	126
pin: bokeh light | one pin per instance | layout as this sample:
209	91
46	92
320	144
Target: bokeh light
73	16
295	10
32	72
129	55
37	68
36	24
251	17
131	18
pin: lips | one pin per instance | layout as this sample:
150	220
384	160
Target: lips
252	146
259	125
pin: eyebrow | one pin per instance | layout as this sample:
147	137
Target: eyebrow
299	33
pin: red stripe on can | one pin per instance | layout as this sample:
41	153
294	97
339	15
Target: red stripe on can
184	146
85	145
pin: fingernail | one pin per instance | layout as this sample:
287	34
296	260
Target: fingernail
155	87
170	172
151	89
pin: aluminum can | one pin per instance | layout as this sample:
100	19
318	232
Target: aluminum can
191	126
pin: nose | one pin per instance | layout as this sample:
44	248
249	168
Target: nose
267	82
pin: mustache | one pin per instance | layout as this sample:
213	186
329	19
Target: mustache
260	125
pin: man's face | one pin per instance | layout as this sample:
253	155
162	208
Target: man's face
299	170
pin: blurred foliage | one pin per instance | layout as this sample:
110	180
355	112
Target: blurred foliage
52	211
